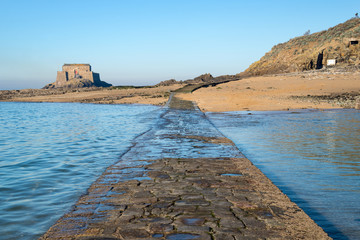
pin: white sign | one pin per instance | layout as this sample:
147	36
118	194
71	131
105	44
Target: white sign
331	62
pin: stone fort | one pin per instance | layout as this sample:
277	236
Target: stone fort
75	72
77	76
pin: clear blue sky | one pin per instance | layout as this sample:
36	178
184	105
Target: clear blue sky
138	42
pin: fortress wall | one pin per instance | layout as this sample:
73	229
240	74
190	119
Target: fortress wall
87	75
79	67
61	78
96	78
84	70
70	74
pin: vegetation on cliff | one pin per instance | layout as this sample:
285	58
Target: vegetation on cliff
312	51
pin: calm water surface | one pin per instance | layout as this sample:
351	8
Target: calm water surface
50	153
312	156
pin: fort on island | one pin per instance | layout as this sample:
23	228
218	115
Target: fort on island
76	71
77	75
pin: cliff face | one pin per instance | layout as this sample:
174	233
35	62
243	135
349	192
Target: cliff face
341	43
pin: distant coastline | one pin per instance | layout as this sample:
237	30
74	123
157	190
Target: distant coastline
113	95
333	88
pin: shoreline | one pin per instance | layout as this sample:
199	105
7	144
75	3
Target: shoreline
146	95
281	92
187	196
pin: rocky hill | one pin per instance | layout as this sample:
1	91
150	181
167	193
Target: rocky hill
312	51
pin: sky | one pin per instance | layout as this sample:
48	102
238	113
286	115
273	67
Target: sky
143	42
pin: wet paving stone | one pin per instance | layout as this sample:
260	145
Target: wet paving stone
193	221
167	187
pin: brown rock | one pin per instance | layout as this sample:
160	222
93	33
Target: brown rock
357	105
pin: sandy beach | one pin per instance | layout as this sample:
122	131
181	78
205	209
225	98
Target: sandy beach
308	90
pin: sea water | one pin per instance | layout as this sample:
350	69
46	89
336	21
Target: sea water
50	153
312	156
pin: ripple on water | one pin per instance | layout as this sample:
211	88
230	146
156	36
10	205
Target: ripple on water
312	156
52	152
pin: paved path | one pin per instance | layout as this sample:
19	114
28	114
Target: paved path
183	180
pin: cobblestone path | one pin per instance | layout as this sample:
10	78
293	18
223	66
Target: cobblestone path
183	180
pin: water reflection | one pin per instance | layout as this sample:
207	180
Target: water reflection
312	156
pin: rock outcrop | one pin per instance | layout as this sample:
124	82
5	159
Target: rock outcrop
167	83
207	77
338	45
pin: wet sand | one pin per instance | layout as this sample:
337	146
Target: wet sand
279	92
201	188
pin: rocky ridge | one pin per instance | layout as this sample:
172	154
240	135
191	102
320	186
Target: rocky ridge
203	80
340	43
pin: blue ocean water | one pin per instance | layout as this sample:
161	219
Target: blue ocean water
50	153
312	156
